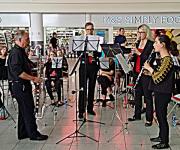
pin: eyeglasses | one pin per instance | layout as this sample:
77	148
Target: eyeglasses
90	29
141	32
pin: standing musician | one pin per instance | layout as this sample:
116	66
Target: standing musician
90	69
19	73
142	51
162	84
55	75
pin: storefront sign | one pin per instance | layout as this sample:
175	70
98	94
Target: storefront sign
153	20
63	20
14	20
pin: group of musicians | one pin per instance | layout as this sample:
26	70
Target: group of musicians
157	79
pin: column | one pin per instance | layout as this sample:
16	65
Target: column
36	33
110	33
88	18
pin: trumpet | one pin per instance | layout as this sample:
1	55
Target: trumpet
141	72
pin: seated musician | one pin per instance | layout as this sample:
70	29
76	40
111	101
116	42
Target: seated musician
3	59
3	68
54	75
106	80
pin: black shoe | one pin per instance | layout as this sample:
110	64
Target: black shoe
40	137
80	116
160	146
156	139
143	110
134	119
104	103
111	98
53	103
148	124
22	137
91	112
60	104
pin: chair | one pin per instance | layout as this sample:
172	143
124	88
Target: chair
98	95
176	101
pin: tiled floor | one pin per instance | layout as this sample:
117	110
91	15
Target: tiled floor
59	124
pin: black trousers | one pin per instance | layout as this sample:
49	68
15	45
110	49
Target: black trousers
1	103
161	104
105	83
90	79
142	89
58	84
26	120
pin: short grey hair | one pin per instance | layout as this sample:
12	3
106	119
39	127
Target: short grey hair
19	34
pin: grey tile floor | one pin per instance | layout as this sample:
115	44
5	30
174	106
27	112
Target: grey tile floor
59	124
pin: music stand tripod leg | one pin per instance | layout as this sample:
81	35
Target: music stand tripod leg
9	115
124	125
76	132
3	107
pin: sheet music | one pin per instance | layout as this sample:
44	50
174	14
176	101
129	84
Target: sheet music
111	49
57	62
6	63
104	63
34	59
77	43
122	61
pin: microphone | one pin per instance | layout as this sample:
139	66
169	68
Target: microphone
74	91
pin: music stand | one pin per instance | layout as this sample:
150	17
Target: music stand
104	63
57	62
126	69
110	50
90	43
81	44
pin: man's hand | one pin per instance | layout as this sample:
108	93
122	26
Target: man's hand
37	80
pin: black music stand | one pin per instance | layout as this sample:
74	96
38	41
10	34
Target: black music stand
110	50
80	44
126	69
90	43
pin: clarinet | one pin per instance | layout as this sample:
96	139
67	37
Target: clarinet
141	72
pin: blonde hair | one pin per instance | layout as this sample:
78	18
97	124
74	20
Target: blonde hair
146	29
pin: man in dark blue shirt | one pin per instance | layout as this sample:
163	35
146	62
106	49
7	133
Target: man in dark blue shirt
121	39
